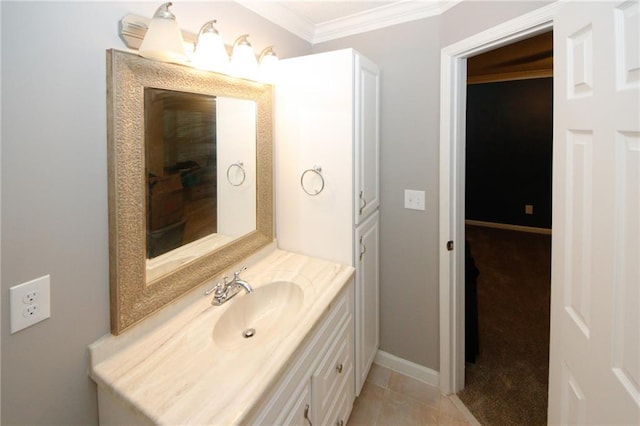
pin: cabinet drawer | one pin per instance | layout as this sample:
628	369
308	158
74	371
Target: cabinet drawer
339	412
297	414
334	373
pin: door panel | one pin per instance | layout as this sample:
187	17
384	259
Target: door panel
367	296
626	333
595	318
367	139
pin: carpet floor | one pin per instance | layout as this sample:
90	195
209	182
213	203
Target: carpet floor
507	385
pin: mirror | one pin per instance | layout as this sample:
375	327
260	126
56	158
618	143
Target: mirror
200	157
190	179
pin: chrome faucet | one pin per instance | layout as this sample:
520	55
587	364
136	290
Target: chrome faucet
226	290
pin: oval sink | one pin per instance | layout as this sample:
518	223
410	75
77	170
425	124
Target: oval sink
267	312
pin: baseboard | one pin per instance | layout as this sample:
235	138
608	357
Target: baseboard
509	227
407	368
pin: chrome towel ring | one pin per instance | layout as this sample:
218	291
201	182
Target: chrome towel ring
317	170
239	165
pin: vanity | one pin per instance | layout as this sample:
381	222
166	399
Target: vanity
191	364
281	350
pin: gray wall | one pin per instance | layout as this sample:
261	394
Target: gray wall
54	193
471	17
409	58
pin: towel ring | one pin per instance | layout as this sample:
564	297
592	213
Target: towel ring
240	166
318	171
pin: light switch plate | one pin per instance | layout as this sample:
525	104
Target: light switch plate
29	303
414	200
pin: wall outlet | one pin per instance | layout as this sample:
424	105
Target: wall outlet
30	297
30	310
414	200
29	303
528	209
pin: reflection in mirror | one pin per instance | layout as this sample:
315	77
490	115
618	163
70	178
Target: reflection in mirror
236	120
199	151
180	140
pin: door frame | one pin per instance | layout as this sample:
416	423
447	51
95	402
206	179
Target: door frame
453	76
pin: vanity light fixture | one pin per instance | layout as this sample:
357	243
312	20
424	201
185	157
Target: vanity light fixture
268	61
243	60
210	53
163	39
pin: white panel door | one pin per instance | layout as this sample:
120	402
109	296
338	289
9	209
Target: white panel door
367	249
367	138
595	316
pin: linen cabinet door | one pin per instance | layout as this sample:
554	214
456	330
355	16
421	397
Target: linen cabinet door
314	128
367	138
367	297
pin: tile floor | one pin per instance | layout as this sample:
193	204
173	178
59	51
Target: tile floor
390	398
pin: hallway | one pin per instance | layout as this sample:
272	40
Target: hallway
508	384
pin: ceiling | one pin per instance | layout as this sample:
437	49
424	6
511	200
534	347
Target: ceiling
320	20
529	58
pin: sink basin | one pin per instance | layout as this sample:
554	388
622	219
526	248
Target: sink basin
266	313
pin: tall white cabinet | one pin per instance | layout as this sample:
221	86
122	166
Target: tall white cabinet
327	174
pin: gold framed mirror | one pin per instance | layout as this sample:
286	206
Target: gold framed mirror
149	264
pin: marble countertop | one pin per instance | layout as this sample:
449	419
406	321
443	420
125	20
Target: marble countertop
170	370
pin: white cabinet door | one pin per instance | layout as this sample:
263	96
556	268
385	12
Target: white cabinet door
367	138
314	127
367	297
595	317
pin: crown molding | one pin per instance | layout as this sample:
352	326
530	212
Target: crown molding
380	17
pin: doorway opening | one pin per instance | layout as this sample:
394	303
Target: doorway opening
452	194
508	168
509	131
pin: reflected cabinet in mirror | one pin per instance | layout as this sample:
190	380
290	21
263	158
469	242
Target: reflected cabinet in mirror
190	179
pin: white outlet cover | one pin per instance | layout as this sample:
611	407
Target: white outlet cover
37	310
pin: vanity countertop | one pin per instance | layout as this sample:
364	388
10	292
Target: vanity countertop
170	369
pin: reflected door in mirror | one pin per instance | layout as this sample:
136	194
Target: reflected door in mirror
180	139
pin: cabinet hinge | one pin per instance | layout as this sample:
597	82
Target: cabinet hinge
450	245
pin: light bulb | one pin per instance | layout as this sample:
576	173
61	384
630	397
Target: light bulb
268	65
243	60
163	39
210	52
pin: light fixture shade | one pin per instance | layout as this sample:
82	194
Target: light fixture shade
243	60
163	39
210	53
268	65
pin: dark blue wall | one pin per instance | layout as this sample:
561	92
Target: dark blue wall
509	151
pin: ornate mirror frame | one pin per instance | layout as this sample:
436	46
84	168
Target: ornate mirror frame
132	299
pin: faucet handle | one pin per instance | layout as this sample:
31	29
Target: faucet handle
216	288
237	273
